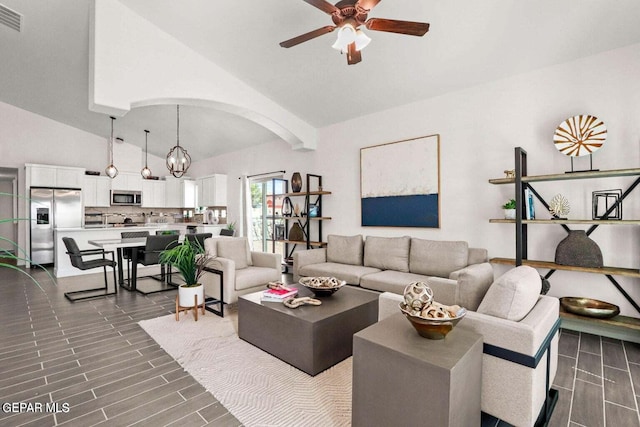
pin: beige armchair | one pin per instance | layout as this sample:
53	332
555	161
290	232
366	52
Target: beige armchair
520	333
243	271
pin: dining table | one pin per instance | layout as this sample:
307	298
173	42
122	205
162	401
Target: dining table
118	245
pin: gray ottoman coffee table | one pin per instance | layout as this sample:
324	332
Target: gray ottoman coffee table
311	338
403	379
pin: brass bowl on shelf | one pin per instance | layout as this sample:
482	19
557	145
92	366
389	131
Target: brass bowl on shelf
435	329
589	307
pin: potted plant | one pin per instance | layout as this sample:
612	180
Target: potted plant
509	209
189	258
232	227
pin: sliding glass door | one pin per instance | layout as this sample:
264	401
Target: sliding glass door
268	227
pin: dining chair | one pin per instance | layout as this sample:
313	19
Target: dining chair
198	237
151	256
77	260
127	252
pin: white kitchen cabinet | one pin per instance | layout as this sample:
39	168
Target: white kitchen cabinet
127	181
189	190
180	193
212	190
54	176
153	193
96	191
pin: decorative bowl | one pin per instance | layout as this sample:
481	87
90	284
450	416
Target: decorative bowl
432	328
322	286
589	307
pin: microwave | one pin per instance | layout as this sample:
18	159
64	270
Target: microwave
126	198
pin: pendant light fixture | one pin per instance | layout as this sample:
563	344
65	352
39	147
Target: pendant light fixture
178	160
111	170
145	172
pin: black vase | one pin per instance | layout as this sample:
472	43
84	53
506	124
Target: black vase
296	182
579	250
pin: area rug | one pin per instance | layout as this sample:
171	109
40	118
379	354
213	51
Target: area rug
257	388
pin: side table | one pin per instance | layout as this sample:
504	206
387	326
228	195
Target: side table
400	378
209	301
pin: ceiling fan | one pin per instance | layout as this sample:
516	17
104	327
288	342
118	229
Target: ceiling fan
348	16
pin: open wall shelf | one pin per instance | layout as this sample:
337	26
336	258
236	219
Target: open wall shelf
522	182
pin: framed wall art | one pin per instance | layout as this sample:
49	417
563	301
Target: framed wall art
400	183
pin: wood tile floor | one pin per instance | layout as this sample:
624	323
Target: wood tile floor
598	382
92	362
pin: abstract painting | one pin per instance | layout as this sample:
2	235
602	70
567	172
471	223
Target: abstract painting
400	183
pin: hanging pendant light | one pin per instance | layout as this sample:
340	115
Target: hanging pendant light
111	170
178	160
145	172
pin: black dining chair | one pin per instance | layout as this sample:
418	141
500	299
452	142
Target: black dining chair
227	232
77	260
128	252
151	256
198	237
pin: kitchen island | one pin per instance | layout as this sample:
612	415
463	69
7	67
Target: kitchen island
82	235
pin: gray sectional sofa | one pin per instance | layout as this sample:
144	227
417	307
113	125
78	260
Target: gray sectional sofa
456	273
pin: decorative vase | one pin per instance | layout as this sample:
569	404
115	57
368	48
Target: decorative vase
509	213
187	294
296	233
296	182
579	250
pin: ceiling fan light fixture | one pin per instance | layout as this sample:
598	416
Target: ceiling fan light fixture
145	172
111	171
178	160
362	40
346	36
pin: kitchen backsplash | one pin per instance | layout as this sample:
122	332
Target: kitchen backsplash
137	215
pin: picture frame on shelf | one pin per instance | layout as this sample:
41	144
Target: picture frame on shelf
603	200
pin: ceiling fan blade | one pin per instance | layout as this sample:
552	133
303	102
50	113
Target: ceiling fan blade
367	4
307	36
353	56
324	6
400	27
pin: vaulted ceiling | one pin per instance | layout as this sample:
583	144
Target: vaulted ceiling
44	67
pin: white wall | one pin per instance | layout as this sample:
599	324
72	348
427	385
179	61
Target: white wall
29	138
479	129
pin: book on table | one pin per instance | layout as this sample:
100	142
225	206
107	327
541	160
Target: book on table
279	295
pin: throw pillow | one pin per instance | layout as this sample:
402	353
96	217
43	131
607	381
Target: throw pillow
387	253
438	258
345	249
512	295
235	249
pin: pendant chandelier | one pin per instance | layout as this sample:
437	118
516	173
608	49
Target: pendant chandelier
145	172
178	160
111	170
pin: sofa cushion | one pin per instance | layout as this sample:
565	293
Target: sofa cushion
444	290
387	253
512	295
236	249
345	249
437	258
251	277
211	247
352	274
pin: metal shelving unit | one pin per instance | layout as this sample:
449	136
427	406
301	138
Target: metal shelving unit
311	226
523	181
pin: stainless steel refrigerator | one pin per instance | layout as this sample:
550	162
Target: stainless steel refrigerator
52	208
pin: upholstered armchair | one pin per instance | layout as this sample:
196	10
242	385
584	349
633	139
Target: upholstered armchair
520	333
243	271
